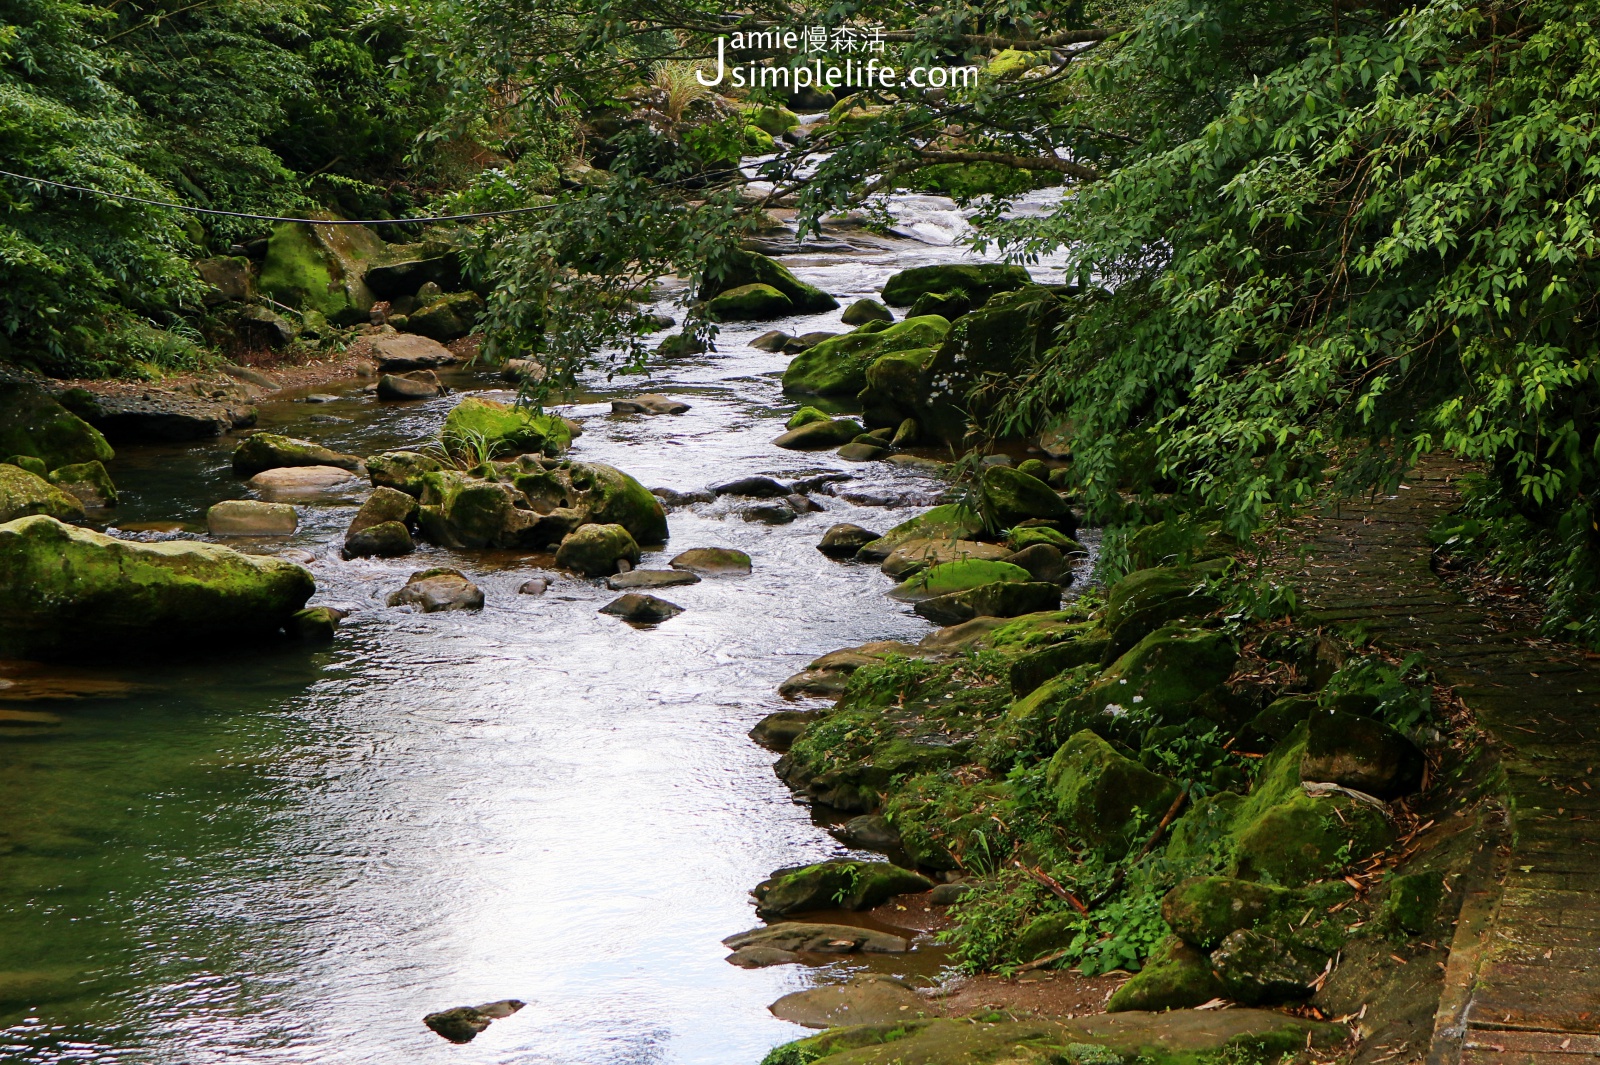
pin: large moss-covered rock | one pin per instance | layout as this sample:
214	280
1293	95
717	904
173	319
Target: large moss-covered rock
70	592
863	311
742	268
486	429
998	599
1176	976
527	506
34	424
270	451
595	550
1003	336
1145	600
23	494
1362	753
447	317
383	505
815	435
1013	496
1282	835
979	280
914	556
893	384
609	496
404	268
400	470
957	576
749	303
1177	542
1204	910
1104	798
1172	668
838	367
842	885
948	521
88	481
322	268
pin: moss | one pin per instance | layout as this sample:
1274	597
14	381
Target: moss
1145	600
88	481
1026	536
1204	910
484	427
1012	63
806	416
270	451
947	825
613	497
1176	977
845	885
948	521
866	310
23	494
34	466
1012	496
1414	901
1102	797
70	591
449	317
838	366
1002	337
890	394
965	181
752	268
594	550
1168	671
321	268
957	576
774	120
400	470
33	423
1031	669
980	280
749	303
1308	837
1179	541
813	436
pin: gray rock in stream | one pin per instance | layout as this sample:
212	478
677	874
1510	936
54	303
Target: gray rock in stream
634	580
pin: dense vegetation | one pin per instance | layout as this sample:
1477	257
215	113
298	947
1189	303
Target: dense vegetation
1315	241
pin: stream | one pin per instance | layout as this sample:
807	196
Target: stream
288	855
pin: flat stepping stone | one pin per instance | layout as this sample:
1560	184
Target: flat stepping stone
633	580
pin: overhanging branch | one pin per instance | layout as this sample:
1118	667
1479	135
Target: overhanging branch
1021	162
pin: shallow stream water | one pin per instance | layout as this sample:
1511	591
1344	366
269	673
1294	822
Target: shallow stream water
289	855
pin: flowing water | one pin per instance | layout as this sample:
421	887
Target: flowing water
289	855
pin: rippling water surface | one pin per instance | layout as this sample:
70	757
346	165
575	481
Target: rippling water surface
290	855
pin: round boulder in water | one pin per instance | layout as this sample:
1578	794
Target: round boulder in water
713	561
641	609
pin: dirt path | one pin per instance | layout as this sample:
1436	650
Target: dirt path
1523	980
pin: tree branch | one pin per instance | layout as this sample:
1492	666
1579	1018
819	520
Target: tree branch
1021	162
989	40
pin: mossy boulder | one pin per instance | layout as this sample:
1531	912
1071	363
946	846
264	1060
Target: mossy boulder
1282	835
1104	798
23	494
841	885
957	576
595	550
774	120
1204	910
1145	600
609	496
807	416
322	268
270	451
817	435
863	311
915	556
1169	670
487	429
1179	542
838	366
1012	496
740	268
998	599
1361	753
383	505
400	470
1176	976
749	303
1025	536
34	424
951	305
447	317
461	511
387	539
1031	669
35	466
88	481
1003	336
404	268
1260	969
979	280
892	389
948	521
70	592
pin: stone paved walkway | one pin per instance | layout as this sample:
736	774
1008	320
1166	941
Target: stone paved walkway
1523	981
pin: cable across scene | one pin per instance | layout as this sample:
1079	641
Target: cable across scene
278	218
